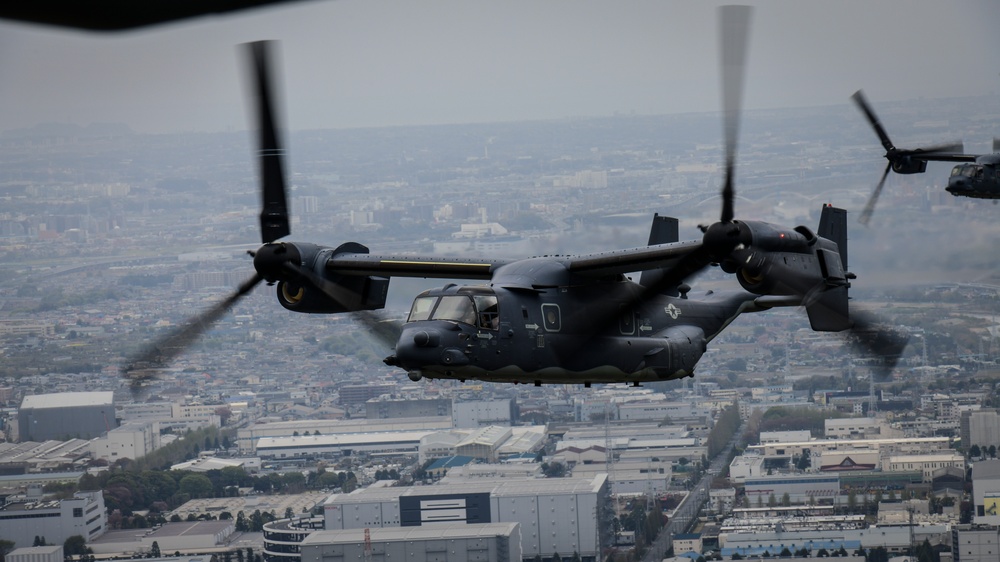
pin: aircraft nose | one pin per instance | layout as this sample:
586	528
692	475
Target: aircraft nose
427	338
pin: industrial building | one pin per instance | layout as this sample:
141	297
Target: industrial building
482	413
50	553
132	440
387	406
247	437
325	446
986	492
556	515
975	543
56	520
69	415
491	542
801	488
184	536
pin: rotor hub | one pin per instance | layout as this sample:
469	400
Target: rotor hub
722	238
270	260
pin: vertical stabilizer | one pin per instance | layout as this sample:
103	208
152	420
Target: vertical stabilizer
664	230
827	305
833	227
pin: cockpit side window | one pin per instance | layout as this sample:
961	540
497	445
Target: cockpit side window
489	313
457	309
421	309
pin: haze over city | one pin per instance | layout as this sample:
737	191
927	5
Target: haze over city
351	63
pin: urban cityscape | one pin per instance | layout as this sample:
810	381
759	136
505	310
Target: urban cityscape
283	437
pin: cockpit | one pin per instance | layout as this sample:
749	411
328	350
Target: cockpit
479	308
974	171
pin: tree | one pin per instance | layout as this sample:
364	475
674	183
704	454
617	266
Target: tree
736	556
974	452
786	500
154	550
878	554
75	545
196	485
5	547
785	553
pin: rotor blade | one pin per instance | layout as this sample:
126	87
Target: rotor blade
734	24
872	336
866	214
178	340
274	222
385	331
862	103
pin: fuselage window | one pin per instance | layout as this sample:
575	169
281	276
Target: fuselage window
456	309
626	322
551	317
489	313
421	309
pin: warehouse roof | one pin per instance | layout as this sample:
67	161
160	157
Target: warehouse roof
69	399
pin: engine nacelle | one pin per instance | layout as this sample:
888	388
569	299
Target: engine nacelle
352	292
908	165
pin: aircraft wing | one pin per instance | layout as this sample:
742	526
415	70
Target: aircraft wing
943	156
599	264
658	256
413	266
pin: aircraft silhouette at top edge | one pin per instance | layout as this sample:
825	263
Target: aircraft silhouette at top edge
558	319
120	15
978	176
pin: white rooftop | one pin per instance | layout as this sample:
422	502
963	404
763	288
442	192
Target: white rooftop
69	399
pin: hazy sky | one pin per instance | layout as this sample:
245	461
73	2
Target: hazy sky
351	63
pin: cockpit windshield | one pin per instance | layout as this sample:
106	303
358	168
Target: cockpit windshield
968	170
480	311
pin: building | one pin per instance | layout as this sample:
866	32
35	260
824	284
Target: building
986	492
490	542
303	446
247	437
184	536
361	393
80	415
926	464
687	542
980	428
51	553
130	441
388	407
56	520
563	515
801	488
975	543
482	413
852	428
283	538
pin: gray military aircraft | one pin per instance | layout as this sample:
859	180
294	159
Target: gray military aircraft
977	177
559	319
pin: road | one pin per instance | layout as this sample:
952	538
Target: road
687	511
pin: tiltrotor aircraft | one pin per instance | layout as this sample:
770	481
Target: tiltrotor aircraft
559	319
978	176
